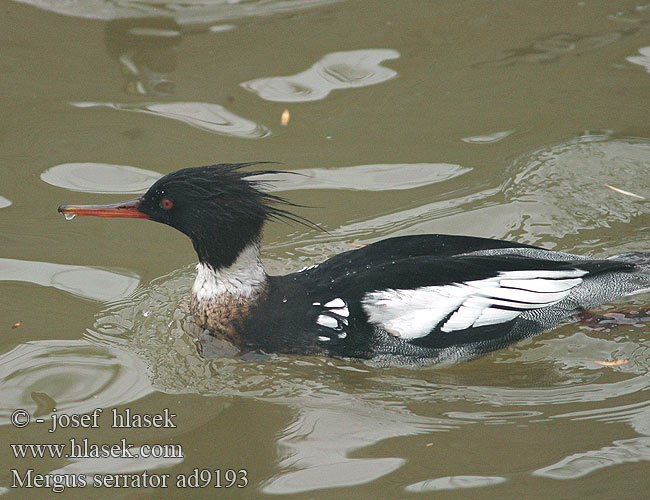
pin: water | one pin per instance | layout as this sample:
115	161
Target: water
405	118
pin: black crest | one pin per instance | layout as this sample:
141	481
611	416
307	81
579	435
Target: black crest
220	207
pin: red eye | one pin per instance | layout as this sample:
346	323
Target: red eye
166	204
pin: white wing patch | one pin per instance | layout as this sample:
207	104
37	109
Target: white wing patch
334	316
335	303
337	306
414	313
327	321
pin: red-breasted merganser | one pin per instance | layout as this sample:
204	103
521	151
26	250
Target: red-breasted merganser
408	300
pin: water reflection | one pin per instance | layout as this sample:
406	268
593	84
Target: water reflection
581	350
116	465
314	449
488	138
494	417
580	464
643	59
92	177
537	202
425	218
621	451
551	48
76	376
181	11
365	177
454	483
145	48
87	282
4	202
556	388
542	185
639	14
202	115
338	70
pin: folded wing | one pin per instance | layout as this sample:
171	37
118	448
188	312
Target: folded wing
414	313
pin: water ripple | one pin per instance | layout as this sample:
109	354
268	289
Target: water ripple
551	48
488	138
91	177
383	177
494	417
311	452
454	483
76	376
87	282
117	465
580	464
204	116
572	392
542	192
536	204
338	70
639	15
182	11
643	59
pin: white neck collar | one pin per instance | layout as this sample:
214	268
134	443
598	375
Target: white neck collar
244	278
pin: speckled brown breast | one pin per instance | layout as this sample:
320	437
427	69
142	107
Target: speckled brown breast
224	315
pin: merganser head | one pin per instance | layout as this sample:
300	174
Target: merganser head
219	207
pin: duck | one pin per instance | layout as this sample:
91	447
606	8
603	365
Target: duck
410	300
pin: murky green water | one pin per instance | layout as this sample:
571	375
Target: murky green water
497	119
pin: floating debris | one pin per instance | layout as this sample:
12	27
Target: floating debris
617	362
16	325
285	118
626	193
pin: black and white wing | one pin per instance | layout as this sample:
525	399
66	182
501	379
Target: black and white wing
414	313
332	319
415	286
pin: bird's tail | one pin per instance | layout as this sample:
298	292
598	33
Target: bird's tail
641	259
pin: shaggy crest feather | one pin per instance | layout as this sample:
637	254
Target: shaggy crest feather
222	208
225	181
